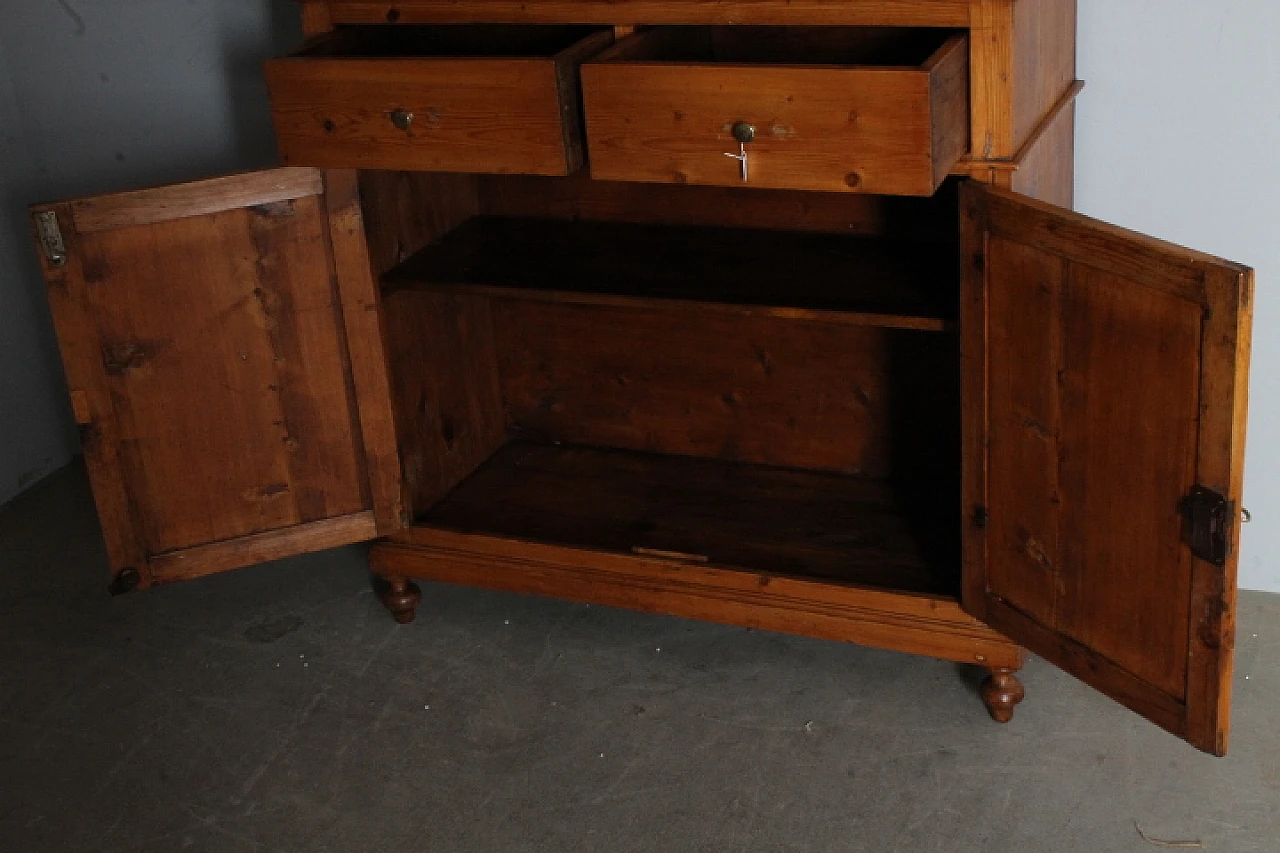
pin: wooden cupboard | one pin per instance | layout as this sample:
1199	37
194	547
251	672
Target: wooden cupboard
773	314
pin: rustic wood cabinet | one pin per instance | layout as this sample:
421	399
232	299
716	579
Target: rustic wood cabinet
766	313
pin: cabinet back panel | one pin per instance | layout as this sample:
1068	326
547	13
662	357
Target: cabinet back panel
750	389
579	197
228	297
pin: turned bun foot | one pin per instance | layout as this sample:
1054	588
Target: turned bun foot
1001	692
401	597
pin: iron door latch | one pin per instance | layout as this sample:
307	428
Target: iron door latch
1207	527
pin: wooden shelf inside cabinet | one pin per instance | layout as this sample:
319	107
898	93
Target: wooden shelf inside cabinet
834	278
756	518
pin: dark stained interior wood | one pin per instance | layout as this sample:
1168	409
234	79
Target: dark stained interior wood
578	196
573	260
404	211
446	40
767	520
856	400
444	389
852	46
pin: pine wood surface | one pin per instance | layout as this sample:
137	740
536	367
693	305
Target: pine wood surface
245	391
848	399
771	520
475	108
208	349
445	383
660	106
919	624
1103	379
363	341
901	13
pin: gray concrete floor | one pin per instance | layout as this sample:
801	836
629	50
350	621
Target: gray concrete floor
280	708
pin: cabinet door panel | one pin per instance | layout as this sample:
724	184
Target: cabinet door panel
1104	380
215	370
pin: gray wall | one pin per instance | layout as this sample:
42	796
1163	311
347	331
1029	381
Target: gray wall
1177	136
94	97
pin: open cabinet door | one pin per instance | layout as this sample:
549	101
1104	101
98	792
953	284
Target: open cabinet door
1105	387
222	346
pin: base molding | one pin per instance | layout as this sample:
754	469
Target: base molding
906	622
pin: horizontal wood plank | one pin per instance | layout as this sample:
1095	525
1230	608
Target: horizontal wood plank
261	547
468	115
1143	259
146	207
880	110
1090	667
926	625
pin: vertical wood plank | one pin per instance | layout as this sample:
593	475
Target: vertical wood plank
1220	462
1128	386
361	311
81	348
1150	380
316	19
991	79
1024	429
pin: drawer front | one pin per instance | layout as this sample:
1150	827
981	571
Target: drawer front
500	115
852	129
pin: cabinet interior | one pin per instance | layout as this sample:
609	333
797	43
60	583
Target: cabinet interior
416	41
628	368
798	45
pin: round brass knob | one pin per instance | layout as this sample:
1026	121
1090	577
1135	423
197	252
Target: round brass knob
401	118
743	131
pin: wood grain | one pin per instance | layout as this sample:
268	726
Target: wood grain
404	211
445	386
1023	61
315	17
900	13
1046	169
1089	353
911	623
367	356
761	390
196	198
578	196
201	560
80	344
1224	393
209	351
776	521
658	111
333	105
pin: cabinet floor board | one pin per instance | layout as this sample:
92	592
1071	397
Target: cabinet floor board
763	519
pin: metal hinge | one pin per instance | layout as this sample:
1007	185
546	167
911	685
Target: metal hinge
51	237
1207	524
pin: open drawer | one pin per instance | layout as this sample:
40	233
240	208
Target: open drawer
453	98
878	110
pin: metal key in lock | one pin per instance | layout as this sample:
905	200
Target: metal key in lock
744	132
